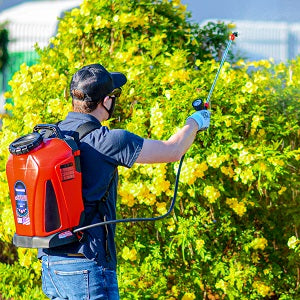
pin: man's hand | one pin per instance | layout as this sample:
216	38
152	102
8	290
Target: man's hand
202	117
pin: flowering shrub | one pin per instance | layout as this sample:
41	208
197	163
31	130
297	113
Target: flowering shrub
234	231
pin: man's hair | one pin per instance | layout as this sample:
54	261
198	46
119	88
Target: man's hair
82	106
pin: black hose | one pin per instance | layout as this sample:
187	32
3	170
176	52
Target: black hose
141	219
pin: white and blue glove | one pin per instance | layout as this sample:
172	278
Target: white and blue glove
202	117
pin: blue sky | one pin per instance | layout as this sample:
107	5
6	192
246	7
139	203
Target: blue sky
262	10
255	10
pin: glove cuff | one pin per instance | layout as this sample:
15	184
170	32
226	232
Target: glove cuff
202	118
199	120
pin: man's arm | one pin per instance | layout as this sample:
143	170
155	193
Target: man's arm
155	151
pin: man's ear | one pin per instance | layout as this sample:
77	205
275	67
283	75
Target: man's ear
106	99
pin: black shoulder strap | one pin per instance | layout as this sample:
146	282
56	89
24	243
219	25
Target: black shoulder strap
85	128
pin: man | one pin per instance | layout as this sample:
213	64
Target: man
87	269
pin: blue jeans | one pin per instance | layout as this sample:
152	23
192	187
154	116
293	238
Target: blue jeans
75	278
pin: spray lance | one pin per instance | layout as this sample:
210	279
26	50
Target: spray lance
197	105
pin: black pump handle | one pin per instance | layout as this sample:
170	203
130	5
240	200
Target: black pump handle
53	128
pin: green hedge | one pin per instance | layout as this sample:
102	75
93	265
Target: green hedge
3	46
234	231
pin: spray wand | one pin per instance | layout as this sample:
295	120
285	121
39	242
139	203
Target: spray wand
197	105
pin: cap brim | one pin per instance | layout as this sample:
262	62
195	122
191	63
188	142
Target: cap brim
119	79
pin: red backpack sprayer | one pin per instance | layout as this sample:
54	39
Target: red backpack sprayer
44	176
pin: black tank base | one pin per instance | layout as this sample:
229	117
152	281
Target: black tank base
54	240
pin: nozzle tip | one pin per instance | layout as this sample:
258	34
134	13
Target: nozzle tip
233	36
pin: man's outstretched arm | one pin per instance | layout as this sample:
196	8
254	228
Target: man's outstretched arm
158	151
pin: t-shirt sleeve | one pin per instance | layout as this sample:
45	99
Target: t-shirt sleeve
121	147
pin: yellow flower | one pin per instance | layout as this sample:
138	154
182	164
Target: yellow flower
200	169
282	190
191	171
191	192
276	161
261	133
168	94
157	121
245	157
173	76
128	254
249	88
87	28
189	296
176	2
221	284
228	122
211	193
69	54
7	95
26	257
198	62
25	87
255	257
37	77
125	172
259	243
262	166
267	271
293	242
150	199
127	197
171	226
238	110
125	18
75	12
261	288
174	290
256	120
237	146
215	161
98	23
161	207
227	171
238	207
247	176
159	184
199	244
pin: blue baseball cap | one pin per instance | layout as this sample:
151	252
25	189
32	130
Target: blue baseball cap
95	82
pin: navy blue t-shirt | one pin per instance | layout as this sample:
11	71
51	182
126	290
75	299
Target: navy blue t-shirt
102	151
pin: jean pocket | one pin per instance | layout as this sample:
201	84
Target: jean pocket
72	284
